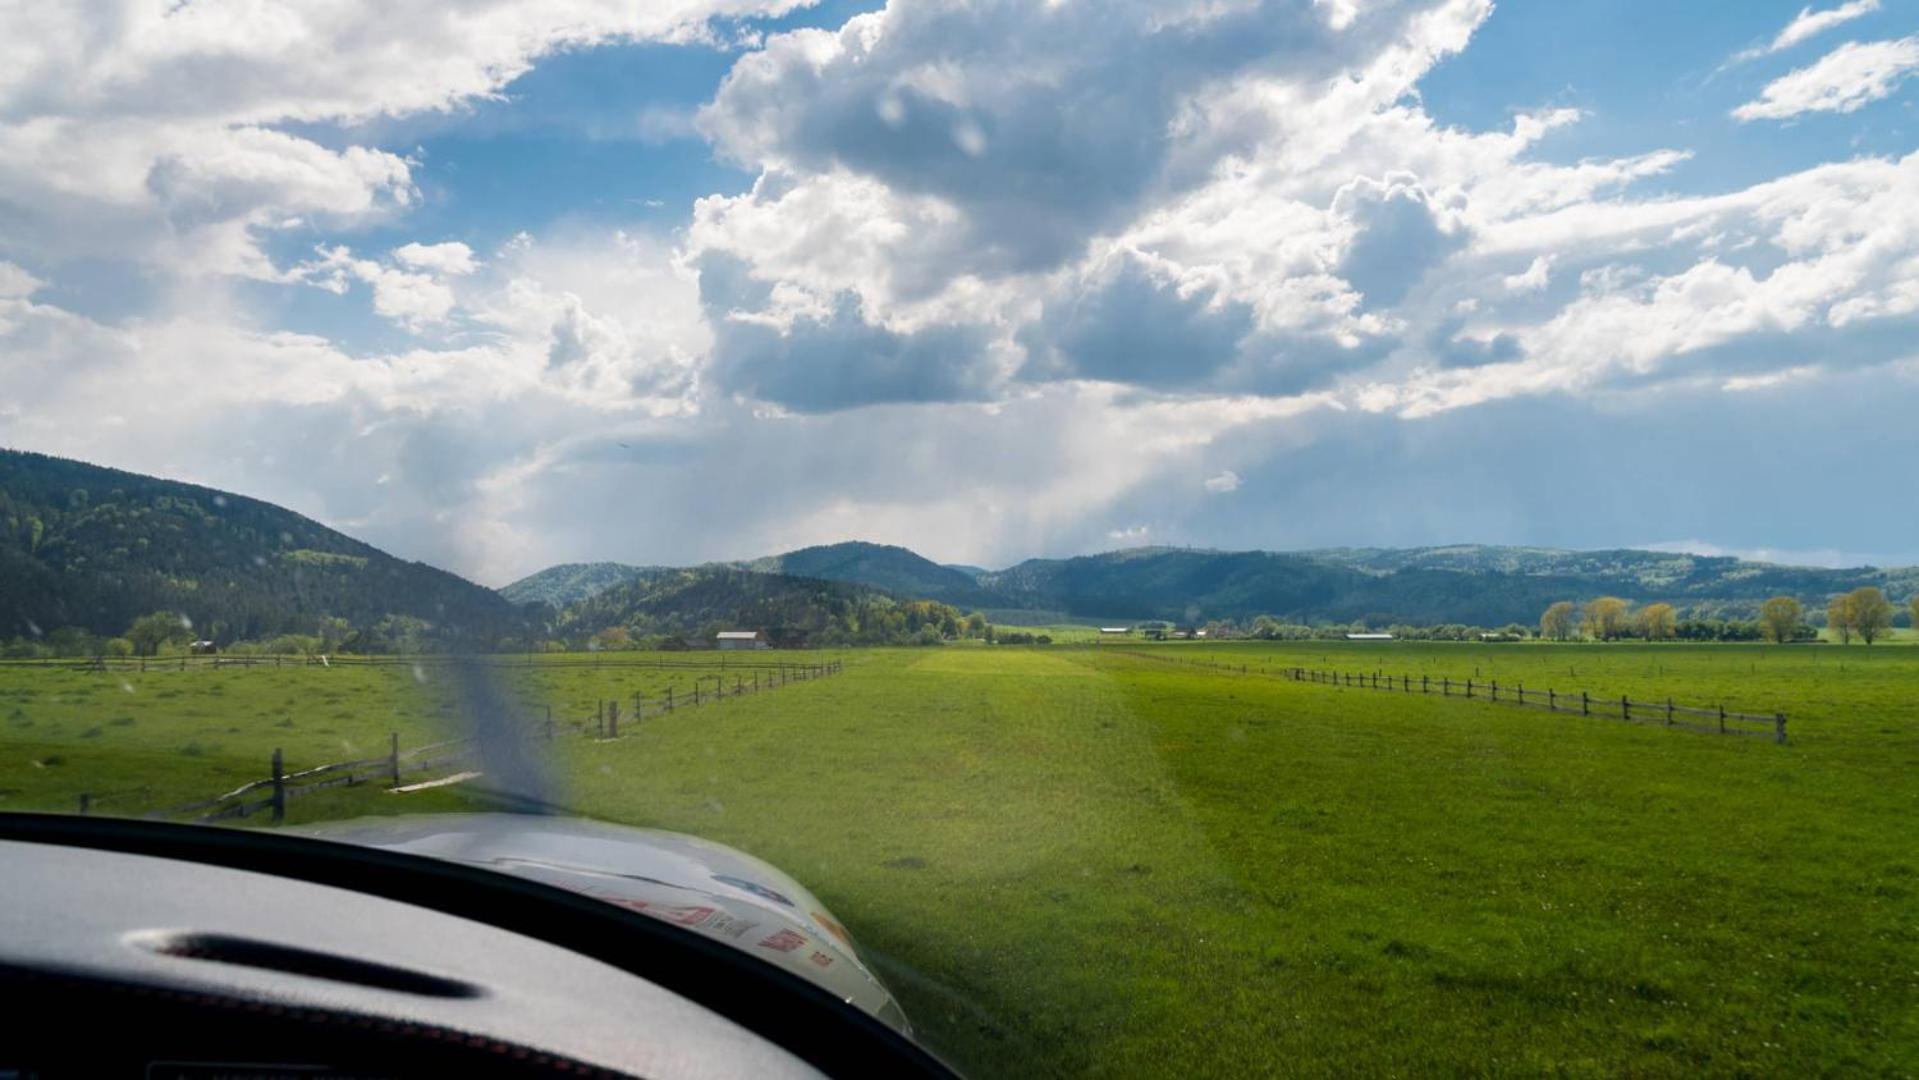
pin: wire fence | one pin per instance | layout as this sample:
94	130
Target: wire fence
603	724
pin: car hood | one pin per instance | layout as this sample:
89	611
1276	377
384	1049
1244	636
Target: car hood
707	888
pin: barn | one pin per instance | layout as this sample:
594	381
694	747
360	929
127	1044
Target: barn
733	640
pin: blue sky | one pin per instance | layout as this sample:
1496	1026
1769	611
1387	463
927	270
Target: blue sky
515	284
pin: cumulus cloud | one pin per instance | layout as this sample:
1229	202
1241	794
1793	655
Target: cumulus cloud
414	301
1067	257
451	258
150	131
1042	125
1846	79
1398	233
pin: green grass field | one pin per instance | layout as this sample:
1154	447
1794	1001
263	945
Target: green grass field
1071	861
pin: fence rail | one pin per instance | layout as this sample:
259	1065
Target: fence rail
1581	702
1723	721
603	724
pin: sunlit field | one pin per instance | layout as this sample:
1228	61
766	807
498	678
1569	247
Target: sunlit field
1076	860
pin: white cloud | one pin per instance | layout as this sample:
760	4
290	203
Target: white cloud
1769	380
16	283
1225	483
968	219
1809	24
1844	80
147	131
1535	277
451	258
415	301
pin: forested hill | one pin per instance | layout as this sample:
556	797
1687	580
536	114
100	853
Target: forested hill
95	548
569	583
1473	584
700	601
881	566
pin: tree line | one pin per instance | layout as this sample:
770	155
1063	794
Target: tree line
1864	613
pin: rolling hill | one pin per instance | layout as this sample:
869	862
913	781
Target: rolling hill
94	548
1473	584
881	566
703	599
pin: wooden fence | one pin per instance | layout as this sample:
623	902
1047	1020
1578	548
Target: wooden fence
1713	719
280	785
1718	719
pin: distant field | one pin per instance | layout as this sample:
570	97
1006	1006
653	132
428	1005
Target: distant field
1075	860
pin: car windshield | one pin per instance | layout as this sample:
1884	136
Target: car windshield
1117	537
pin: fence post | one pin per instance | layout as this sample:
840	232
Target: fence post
1446	687
696	691
736	685
1669	711
1469	688
1722	719
86	801
1495	689
1552	700
1625	708
549	722
393	757
279	788
613	720
1779	727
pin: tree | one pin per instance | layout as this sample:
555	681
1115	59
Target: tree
1839	618
1655	622
1871	613
1560	621
1607	617
149	632
613	637
1915	611
1780	618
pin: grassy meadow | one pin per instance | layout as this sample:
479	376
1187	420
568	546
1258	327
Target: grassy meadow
1079	860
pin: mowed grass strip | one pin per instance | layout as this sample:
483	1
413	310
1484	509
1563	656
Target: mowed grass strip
1071	863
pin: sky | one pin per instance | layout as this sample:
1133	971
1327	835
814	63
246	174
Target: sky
497	285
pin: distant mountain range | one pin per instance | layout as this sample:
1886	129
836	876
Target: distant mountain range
1474	584
94	548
